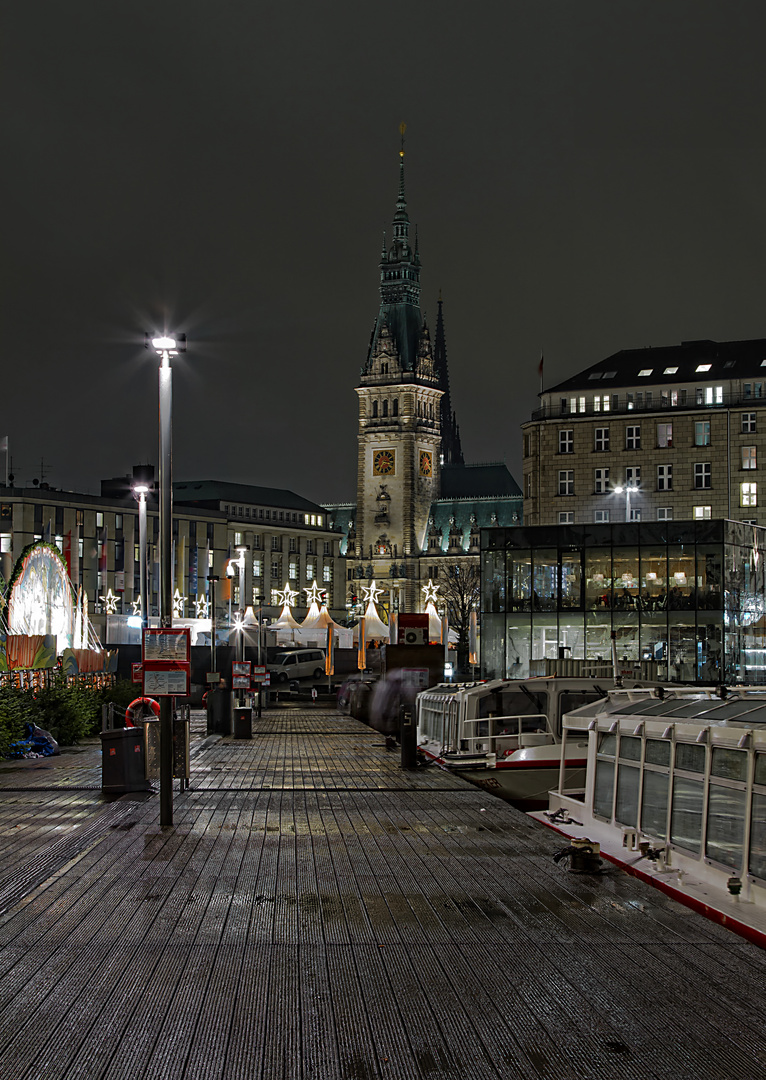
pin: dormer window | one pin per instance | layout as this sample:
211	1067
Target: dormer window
670	371
703	367
645	371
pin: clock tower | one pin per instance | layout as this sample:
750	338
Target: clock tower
400	418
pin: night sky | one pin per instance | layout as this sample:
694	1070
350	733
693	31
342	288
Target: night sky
585	177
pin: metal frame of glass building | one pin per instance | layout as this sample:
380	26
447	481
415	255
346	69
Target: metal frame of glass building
688	595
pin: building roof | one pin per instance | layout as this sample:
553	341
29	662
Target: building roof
672	364
477	481
200	492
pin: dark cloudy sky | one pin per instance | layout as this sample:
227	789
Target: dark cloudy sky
585	176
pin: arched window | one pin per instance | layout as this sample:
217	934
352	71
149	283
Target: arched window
374	409
396	407
385	408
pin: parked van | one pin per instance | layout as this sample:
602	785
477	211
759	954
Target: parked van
297	664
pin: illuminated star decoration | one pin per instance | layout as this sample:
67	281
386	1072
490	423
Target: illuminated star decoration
314	595
372	592
136	607
178	604
201	608
286	596
110	602
429	592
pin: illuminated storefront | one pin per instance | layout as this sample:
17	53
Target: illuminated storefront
686	594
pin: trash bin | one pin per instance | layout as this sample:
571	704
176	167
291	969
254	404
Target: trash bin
242	723
218	712
122	761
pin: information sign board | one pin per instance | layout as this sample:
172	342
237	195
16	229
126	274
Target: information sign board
167	681
138	672
168	645
241	667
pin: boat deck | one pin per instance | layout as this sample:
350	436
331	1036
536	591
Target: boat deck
316	912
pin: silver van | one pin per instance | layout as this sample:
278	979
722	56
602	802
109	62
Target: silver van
297	664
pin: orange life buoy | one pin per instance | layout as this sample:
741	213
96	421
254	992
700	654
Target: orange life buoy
140	705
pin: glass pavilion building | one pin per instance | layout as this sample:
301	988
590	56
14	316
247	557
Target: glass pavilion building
686	594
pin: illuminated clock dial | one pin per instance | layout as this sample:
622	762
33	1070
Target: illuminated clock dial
383	462
426	464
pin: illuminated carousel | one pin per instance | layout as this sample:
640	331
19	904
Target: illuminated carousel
44	625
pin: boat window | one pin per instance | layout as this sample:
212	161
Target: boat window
607	744
571	699
686	815
760	768
517	703
630	747
626	806
657	752
725	825
757	863
690	757
654	802
602	794
729	764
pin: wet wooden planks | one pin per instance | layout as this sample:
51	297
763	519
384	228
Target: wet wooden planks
358	922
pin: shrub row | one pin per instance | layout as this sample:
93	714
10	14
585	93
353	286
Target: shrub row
69	713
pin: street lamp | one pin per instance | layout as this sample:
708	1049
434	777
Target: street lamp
239	624
628	490
165	347
143	482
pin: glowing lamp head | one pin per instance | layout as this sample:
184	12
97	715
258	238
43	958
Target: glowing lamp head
618	489
140	489
162	344
134	621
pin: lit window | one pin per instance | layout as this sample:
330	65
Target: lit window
702	433
665	435
703	512
5	543
238	540
748	494
673	399
645	371
595	375
327	574
581	404
703	367
99	521
748	457
257	568
702	474
292	571
670	371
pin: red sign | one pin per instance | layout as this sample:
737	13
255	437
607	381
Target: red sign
138	672
167	662
412	629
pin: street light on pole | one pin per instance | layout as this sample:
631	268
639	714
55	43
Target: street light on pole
165	347
143	481
627	490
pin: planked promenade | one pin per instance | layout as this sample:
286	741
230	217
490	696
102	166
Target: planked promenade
316	912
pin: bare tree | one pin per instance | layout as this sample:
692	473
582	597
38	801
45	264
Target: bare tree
460	584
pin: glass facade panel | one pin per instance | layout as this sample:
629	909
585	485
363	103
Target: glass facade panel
625	626
654	579
654	801
709	577
493	585
682	647
686	814
572	636
630	747
602	795
520	575
571	579
545	638
598	630
626	580
545	588
725	825
626	805
598	578
681	577
517	647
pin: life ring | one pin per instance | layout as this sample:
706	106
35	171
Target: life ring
140	706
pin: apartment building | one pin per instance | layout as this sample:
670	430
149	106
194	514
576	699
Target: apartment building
655	434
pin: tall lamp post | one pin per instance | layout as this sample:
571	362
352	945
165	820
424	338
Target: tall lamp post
627	490
143	482
166	347
241	550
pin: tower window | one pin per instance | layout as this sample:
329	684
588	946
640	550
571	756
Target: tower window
385	408
374	409
395	408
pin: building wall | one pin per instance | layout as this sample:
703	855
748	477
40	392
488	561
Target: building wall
548	454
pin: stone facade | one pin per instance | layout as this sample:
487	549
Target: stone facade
681	430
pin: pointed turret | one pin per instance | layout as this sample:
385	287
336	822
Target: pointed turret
452	452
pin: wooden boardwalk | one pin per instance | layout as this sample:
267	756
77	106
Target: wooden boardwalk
316	912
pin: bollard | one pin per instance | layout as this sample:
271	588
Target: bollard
408	737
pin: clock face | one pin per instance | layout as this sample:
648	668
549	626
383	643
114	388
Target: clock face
383	462
426	464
